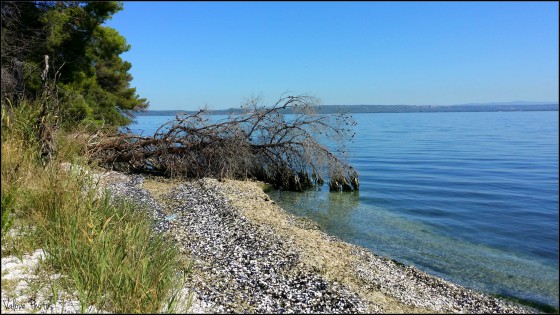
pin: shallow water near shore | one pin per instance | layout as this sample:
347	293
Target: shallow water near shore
469	197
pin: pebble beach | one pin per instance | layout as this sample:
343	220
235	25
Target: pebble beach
248	255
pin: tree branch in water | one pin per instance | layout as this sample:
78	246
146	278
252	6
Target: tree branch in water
280	145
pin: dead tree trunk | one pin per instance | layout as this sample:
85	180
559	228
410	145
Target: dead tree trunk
262	143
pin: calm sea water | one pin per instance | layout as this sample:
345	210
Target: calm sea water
469	197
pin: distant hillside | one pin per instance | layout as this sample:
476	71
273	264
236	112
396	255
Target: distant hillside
433	108
171	112
510	103
330	109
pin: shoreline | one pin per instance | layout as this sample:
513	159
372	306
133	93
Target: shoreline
401	288
380	284
250	255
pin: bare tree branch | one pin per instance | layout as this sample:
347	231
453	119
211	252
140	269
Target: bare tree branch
262	143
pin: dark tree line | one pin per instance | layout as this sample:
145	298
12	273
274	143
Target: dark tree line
92	81
262	143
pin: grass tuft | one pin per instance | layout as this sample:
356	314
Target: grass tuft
105	251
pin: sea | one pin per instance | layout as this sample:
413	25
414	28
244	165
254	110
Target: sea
471	197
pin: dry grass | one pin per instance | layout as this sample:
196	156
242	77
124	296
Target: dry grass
107	252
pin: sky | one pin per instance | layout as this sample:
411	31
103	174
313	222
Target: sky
186	55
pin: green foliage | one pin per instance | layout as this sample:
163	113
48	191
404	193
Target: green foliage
111	255
83	55
75	108
20	169
20	122
105	251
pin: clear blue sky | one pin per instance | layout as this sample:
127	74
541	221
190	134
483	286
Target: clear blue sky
186	55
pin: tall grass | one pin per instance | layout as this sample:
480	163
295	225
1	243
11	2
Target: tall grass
20	165
106	252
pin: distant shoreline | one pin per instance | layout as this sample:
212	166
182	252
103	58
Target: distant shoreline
331	109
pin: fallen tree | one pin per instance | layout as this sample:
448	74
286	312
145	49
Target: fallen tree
278	144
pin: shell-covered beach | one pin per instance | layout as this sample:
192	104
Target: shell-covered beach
249	255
